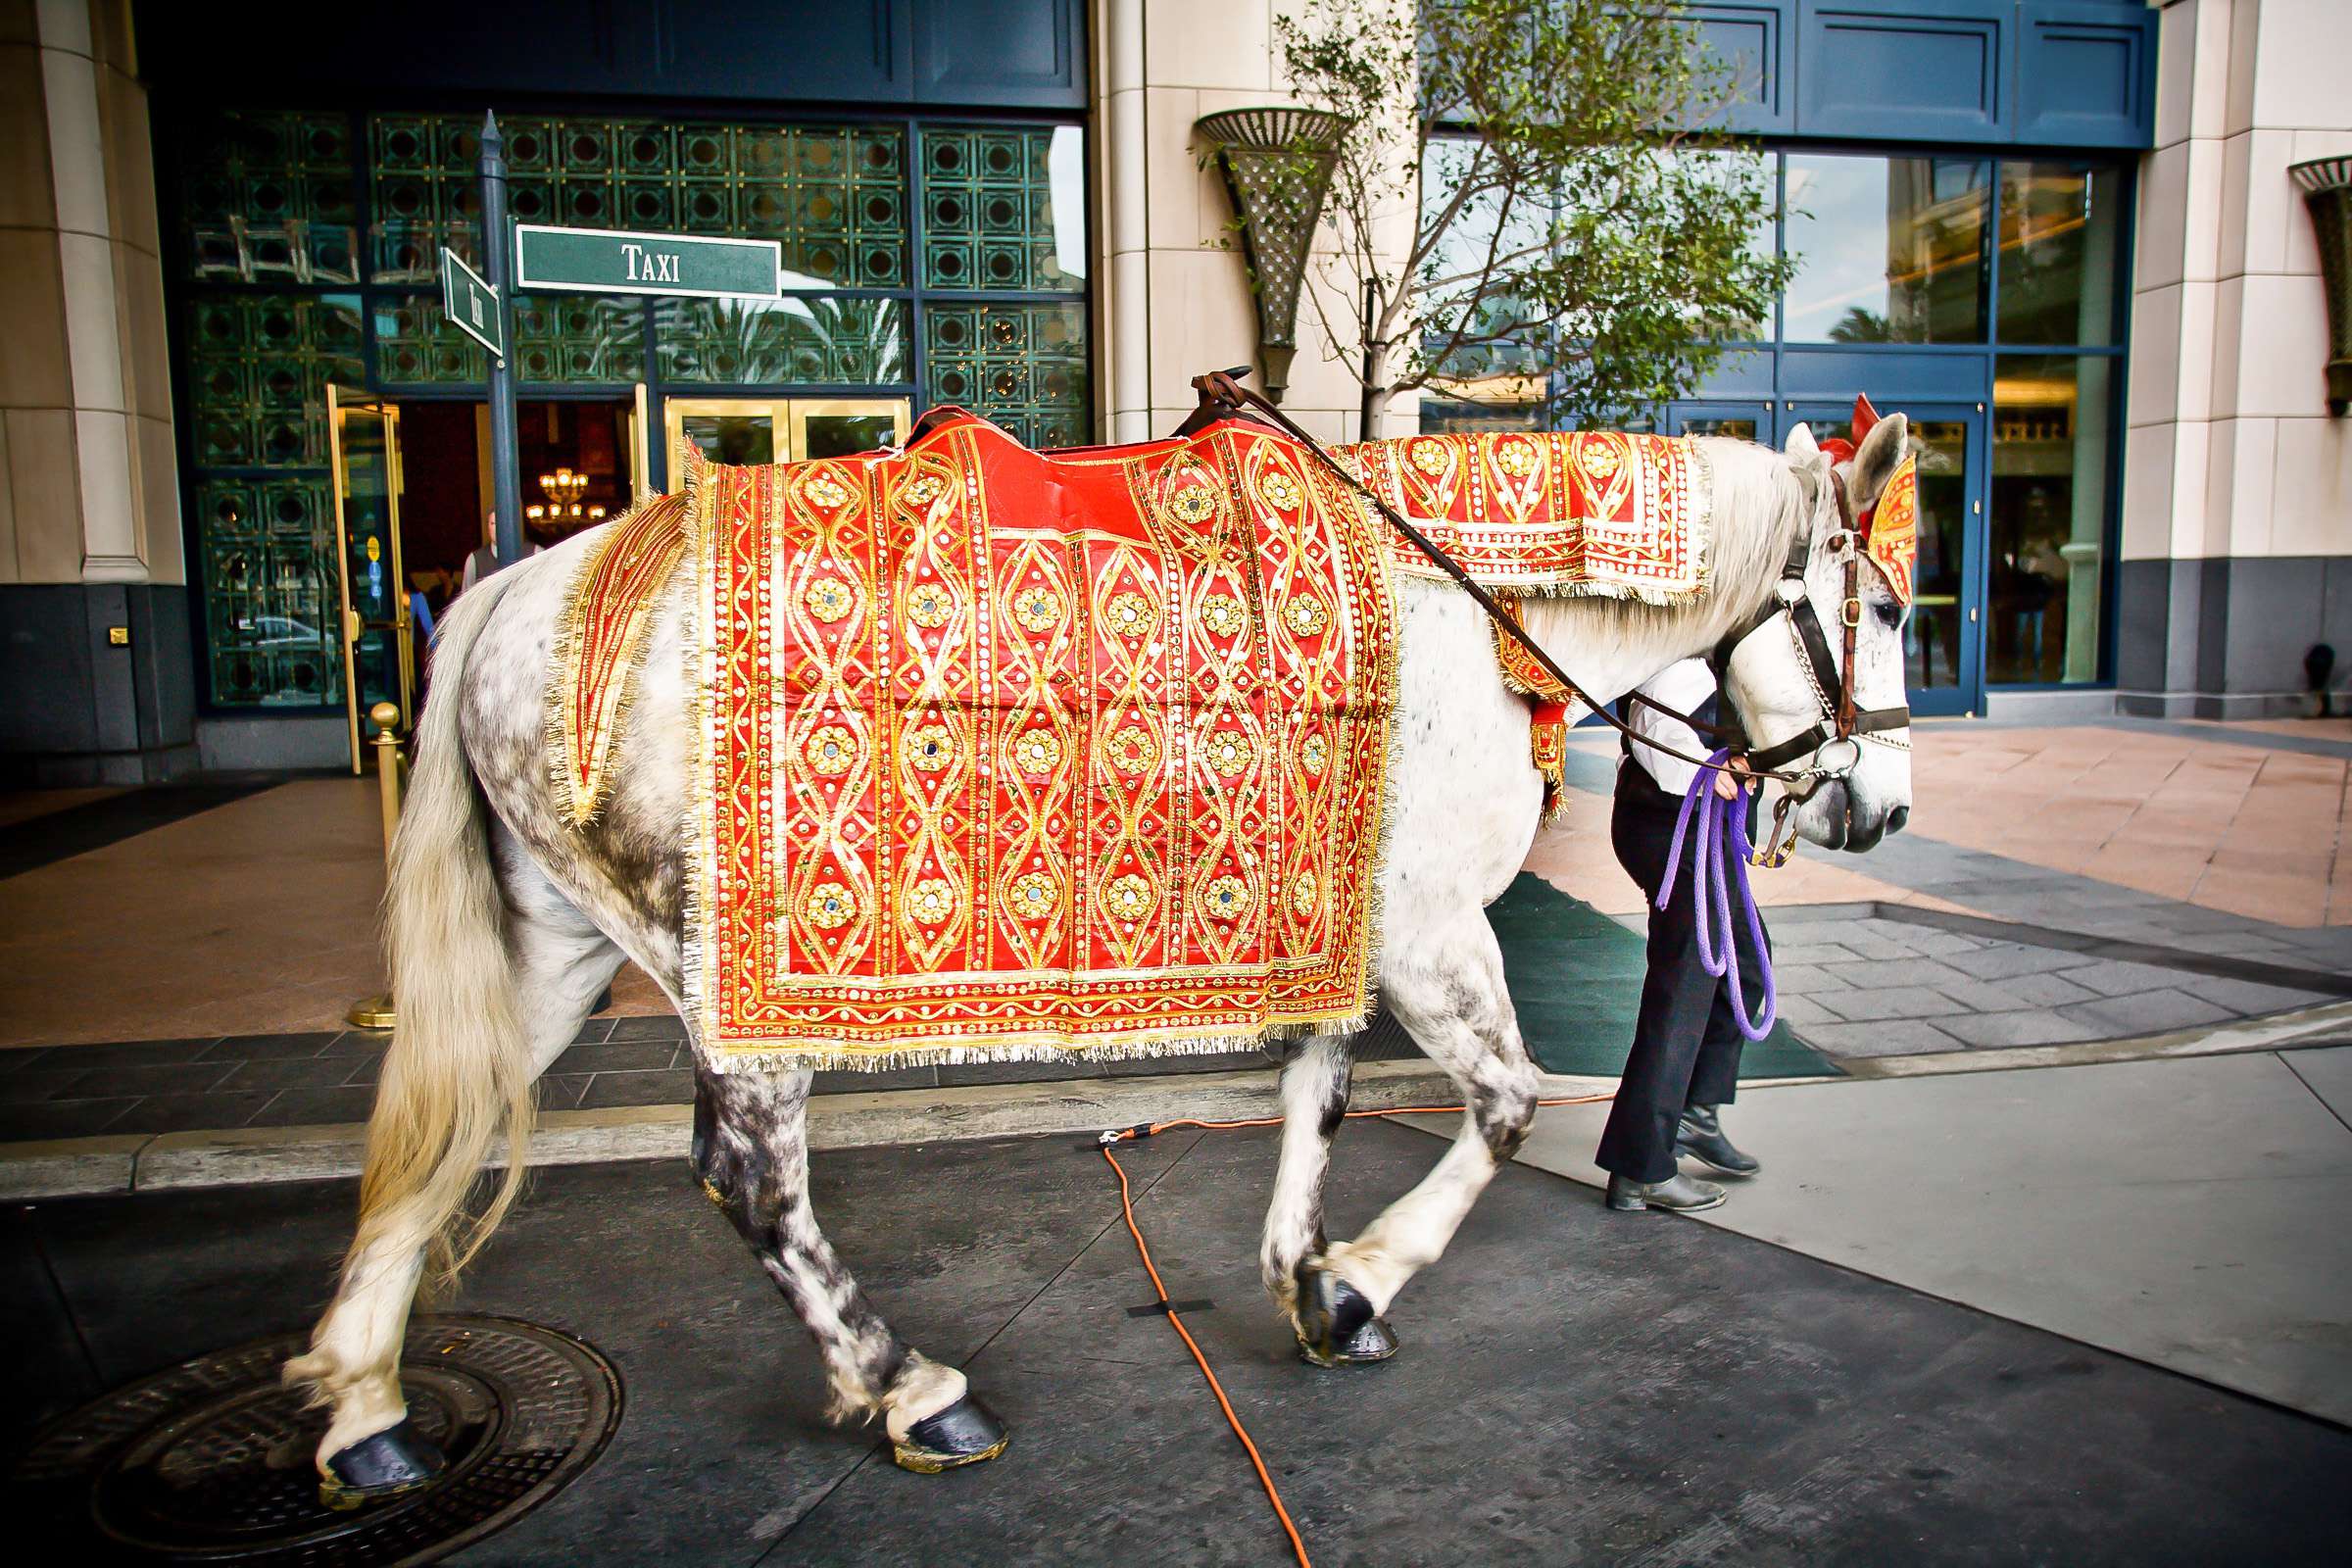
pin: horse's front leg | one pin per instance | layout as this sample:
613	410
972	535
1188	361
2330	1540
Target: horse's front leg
1314	1101
1449	996
750	1148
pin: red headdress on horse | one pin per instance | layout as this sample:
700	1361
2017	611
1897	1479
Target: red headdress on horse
1889	525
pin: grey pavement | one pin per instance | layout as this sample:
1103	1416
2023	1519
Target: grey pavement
1574	1386
2186	1211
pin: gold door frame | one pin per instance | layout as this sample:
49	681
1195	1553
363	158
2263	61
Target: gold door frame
641	469
352	628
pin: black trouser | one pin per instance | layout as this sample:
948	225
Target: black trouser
1685	1044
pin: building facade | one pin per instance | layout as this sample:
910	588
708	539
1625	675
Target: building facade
2057	233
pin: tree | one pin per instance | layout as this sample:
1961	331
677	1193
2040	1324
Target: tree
1528	194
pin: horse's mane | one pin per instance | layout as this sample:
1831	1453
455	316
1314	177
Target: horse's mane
1758	506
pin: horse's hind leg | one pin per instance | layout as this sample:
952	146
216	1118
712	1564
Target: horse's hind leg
558	963
750	1148
1449	995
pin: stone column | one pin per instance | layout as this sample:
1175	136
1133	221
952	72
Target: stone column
2237	493
1175	296
97	657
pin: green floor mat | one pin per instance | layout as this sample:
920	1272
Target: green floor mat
1576	979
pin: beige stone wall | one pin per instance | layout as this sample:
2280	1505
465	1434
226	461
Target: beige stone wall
89	477
1172	294
2230	451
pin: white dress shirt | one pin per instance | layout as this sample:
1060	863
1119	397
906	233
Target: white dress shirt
1682	687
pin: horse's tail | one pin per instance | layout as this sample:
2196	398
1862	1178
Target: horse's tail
457	1076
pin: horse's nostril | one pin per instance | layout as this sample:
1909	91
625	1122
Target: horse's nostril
1897	817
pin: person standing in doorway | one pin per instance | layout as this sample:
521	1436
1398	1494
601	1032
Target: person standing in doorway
485	560
1684	1064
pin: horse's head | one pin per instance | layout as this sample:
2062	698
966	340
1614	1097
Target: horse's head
1786	673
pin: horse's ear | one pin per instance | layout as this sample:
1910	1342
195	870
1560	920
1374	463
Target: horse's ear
1882	452
1801	449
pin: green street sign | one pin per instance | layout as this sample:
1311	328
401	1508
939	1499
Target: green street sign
612	261
470	303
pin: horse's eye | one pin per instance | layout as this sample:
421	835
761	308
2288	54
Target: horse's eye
1891	614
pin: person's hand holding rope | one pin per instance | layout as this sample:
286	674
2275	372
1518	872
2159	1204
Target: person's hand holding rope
1733	779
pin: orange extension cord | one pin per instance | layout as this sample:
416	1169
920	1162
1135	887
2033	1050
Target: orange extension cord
1265	1477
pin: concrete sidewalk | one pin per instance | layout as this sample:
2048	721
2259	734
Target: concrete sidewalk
2188	1212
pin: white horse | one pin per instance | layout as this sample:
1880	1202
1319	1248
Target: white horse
504	923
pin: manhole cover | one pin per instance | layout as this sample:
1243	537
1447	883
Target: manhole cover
211	1461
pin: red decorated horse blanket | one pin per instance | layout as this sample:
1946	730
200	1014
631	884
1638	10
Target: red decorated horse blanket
1599	512
1004	754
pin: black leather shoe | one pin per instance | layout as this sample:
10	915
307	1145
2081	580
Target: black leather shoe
1699	1133
1683	1195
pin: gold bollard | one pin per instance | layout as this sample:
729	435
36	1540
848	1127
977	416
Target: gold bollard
392	779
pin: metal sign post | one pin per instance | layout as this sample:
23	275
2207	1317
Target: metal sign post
506	457
575	261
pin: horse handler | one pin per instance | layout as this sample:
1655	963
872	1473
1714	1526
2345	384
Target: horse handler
1684	1062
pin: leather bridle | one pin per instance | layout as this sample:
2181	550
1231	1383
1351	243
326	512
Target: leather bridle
1842	721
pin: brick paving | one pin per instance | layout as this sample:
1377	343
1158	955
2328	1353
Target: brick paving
1857	984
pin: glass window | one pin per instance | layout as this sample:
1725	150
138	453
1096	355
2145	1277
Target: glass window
1932	641
1005	208
832	196
805	341
1889	249
1745	165
1732	427
1450	417
266	198
2059	225
2051	419
1022	366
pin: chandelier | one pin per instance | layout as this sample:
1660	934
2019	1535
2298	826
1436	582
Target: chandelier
563	489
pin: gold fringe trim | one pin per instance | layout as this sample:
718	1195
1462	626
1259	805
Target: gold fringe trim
580	764
839	1058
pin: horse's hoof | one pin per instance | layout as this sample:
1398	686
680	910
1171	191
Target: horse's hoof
1336	1325
396	1460
966	1431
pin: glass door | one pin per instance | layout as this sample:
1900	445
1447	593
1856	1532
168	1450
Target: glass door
364	436
1748	419
835	427
754	430
1944	642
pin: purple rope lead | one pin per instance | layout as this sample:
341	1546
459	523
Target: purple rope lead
1722	837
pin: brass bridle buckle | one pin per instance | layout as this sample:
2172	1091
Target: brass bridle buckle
1851	611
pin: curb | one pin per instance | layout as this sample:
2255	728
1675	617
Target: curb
174	1162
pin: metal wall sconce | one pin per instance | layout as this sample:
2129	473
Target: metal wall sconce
2328	191
1277	165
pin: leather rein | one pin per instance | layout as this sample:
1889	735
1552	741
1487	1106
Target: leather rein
1222	396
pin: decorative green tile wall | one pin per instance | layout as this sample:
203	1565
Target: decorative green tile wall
596	340
270	600
809	340
265	197
272	198
988	211
258	367
1022	366
833	196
